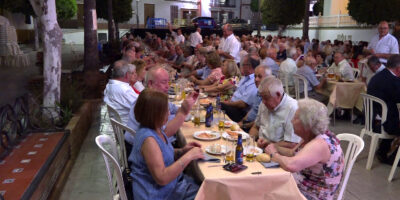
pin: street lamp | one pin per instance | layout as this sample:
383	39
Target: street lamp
137	13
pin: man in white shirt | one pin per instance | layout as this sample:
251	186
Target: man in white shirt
341	65
273	122
384	44
288	66
179	38
118	93
374	66
229	48
196	38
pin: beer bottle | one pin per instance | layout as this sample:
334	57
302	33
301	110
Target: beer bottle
239	151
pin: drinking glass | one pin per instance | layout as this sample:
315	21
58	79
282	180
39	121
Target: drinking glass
250	149
230	151
221	120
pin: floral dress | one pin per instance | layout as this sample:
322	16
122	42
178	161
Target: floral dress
232	80
322	180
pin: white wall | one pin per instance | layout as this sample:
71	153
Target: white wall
76	36
355	34
205	8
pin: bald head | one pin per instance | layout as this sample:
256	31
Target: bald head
157	78
227	30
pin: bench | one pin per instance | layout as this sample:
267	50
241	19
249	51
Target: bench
31	159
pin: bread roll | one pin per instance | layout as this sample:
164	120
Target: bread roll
263	157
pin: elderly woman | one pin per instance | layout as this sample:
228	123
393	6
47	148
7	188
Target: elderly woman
156	167
213	60
318	159
228	82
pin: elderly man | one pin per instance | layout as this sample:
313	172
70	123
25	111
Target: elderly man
308	72
384	44
242	100
273	122
260	73
341	65
270	61
386	86
157	78
118	93
288	66
374	66
195	39
229	48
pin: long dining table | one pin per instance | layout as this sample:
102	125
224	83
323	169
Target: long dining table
255	182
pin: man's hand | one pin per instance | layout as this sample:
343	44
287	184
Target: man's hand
271	149
187	104
262	143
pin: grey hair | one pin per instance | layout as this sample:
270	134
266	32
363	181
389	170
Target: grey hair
120	69
151	74
267	70
314	115
291	52
253	50
271	85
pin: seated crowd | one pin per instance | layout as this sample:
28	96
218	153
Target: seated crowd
245	72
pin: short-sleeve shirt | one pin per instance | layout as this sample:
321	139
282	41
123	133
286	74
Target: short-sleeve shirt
387	44
195	39
246	90
309	74
232	46
203	72
344	68
276	125
289	67
178	38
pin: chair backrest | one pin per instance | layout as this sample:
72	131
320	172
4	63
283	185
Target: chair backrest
296	79
369	103
354	148
113	114
356	73
119	130
114	170
284	77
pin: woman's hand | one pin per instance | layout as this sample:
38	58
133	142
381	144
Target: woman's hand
195	153
262	143
190	146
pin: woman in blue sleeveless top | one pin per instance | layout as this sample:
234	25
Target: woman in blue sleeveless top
156	167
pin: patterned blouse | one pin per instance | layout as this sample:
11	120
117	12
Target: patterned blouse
322	180
216	75
232	80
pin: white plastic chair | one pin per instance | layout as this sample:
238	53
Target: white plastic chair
114	170
296	79
119	130
396	160
284	77
356	73
369	121
354	148
113	114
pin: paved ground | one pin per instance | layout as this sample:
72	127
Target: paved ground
88	179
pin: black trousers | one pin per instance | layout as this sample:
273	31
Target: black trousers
235	114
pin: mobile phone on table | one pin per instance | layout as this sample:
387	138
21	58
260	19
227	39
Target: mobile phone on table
235	168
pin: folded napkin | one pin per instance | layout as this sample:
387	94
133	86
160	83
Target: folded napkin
208	158
270	164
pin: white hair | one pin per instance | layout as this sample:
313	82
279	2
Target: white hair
119	72
314	115
291	52
271	85
267	70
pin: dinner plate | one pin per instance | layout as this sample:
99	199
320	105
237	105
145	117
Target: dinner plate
256	150
202	95
213	149
212	135
204	102
225	135
228	124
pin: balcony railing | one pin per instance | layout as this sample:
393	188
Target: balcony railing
331	21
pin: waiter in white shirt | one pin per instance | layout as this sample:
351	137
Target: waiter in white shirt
179	38
384	44
195	38
229	48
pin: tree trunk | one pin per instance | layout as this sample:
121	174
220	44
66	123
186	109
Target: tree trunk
52	38
306	19
117	30
259	18
111	27
91	56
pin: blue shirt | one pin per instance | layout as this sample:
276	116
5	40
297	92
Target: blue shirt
251	116
246	90
309	74
271	64
134	125
144	186
204	72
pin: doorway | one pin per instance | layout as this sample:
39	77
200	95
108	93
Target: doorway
148	11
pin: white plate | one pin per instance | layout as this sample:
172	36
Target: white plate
225	135
216	135
256	152
228	124
202	96
210	150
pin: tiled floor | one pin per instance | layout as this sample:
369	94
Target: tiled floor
88	179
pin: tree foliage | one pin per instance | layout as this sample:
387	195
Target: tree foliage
372	11
282	12
318	8
254	5
122	10
66	9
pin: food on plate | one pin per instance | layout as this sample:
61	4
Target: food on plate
235	127
204	101
216	148
232	134
263	157
206	135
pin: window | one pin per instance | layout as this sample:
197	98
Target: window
174	13
223	3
